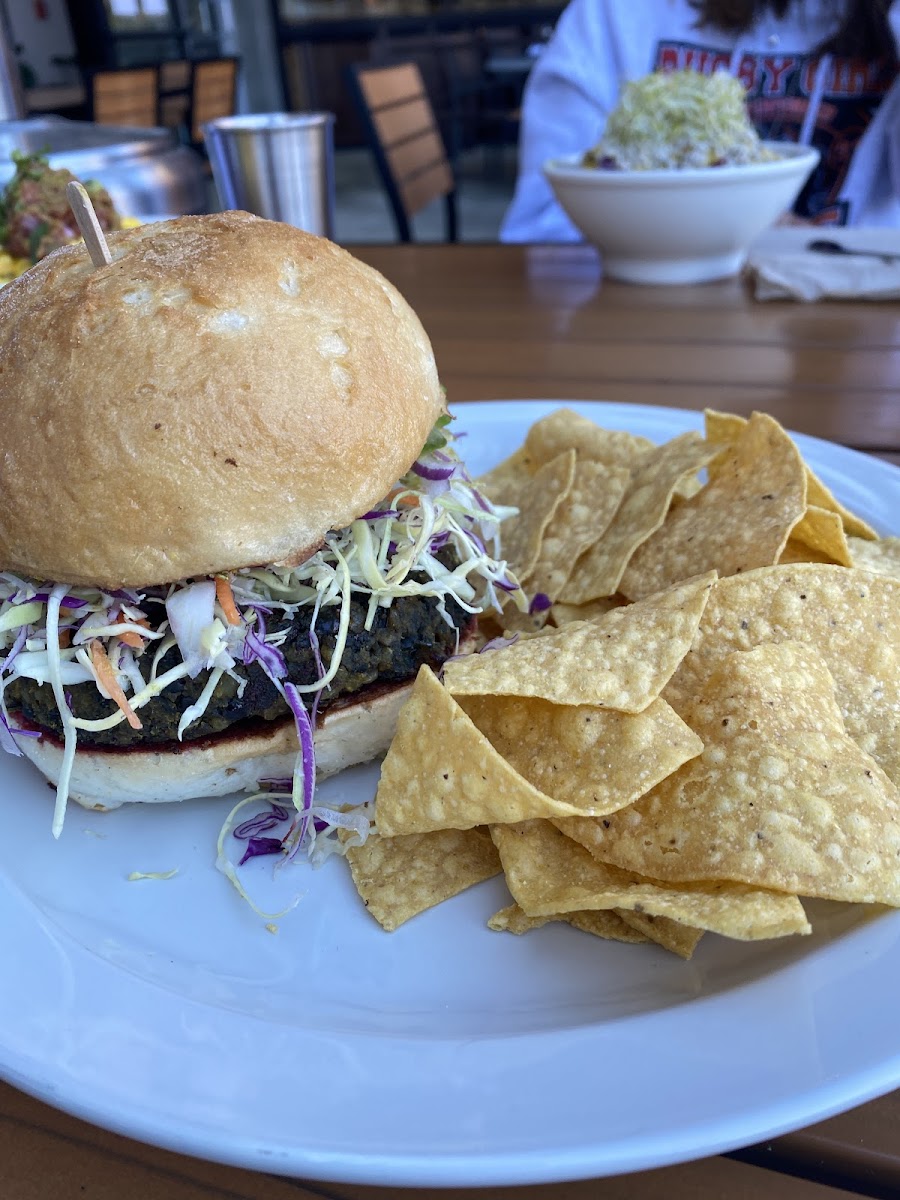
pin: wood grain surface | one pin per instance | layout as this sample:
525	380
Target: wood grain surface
511	322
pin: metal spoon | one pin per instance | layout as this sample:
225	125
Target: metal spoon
824	246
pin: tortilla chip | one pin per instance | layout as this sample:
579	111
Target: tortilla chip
581	520
565	430
608	925
565	614
823	531
400	877
780	798
548	873
881	557
799	552
516	623
742	518
851	617
724	428
817	493
442	773
537	498
670	935
689	486
646	502
622	660
590	760
509	476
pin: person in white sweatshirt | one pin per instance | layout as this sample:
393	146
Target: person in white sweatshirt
822	72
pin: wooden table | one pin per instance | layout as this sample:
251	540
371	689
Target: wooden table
511	323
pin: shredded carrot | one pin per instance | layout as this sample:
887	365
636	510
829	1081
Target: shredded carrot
65	638
397	498
225	597
106	675
130	638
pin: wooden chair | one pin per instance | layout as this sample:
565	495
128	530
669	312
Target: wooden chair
213	91
124	97
175	95
404	137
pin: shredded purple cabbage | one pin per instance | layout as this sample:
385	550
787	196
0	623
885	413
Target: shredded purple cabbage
499	643
261	845
432	474
377	513
307	757
269	657
480	501
320	667
20	640
273	784
66	602
261	823
540	602
257	649
7	742
305	736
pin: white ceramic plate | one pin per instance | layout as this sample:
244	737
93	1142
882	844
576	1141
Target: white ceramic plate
442	1054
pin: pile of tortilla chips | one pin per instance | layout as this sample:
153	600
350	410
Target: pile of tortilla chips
698	722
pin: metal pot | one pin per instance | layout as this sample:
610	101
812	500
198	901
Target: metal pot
147	172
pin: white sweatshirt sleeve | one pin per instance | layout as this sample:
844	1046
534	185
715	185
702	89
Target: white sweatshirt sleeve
572	89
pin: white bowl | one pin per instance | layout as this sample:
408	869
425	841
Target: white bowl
679	226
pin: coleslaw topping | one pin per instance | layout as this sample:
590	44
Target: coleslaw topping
59	636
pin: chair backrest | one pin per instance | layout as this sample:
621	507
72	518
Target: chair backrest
124	97
405	139
175	75
213	91
175	94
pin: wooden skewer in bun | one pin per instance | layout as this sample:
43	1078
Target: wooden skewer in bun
80	203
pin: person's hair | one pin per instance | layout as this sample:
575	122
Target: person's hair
863	33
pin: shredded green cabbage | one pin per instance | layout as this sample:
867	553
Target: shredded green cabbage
673	119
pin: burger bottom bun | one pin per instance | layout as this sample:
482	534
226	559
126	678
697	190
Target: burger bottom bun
218	766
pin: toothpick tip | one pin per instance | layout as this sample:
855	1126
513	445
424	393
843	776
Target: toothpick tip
80	203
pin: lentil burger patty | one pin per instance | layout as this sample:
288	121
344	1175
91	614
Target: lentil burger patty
403	636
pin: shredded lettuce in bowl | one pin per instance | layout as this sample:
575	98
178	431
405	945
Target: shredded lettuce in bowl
678	119
61	636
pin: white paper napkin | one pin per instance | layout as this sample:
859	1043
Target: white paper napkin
797	274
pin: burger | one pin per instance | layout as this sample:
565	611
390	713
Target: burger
233	522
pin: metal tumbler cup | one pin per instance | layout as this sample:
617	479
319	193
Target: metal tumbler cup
277	165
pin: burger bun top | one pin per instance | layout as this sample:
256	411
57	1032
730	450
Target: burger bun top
221	395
